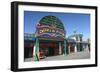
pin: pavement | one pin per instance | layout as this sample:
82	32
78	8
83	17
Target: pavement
77	55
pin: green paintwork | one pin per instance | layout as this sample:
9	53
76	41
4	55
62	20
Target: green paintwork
52	21
65	53
36	50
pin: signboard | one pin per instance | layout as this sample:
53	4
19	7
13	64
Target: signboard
50	27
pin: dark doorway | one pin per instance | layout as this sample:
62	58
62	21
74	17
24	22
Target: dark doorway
50	51
72	49
28	52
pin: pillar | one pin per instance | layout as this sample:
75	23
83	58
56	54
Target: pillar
36	50
69	48
65	48
81	48
60	49
87	47
75	48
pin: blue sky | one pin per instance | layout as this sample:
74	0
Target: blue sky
72	22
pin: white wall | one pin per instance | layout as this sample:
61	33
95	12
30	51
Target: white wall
5	35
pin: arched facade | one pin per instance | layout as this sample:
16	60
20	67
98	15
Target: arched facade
50	40
50	27
50	37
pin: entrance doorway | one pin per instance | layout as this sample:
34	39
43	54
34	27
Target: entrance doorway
50	51
28	52
71	48
49	48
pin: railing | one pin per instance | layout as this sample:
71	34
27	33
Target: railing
29	36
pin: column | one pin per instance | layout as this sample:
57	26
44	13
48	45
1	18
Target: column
65	48
87	48
36	50
81	48
75	48
60	49
68	48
